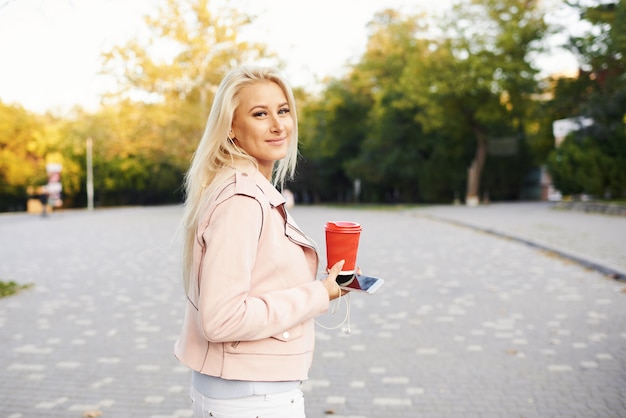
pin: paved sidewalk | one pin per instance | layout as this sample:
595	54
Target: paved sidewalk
468	324
593	239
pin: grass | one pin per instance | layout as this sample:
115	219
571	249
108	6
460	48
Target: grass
11	288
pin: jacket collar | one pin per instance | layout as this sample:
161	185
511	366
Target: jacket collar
277	201
273	195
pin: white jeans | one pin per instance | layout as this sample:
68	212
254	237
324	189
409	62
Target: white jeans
277	405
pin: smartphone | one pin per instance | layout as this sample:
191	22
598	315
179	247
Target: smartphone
361	283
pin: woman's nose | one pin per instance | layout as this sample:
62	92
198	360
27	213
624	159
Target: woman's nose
277	124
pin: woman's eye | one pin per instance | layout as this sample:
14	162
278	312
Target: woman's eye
260	114
283	111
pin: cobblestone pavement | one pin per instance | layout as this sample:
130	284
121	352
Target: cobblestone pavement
467	324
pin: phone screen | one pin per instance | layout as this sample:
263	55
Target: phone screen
363	283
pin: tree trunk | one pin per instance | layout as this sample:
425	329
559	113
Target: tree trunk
475	170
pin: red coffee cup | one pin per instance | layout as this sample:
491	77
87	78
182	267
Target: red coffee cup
342	243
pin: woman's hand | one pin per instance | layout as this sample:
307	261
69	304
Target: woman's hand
330	281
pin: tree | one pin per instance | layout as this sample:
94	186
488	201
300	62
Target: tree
479	79
145	131
166	85
363	127
392	147
189	49
22	155
592	160
331	129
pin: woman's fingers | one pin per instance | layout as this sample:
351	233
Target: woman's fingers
330	282
336	268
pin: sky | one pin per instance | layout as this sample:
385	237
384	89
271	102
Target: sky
50	49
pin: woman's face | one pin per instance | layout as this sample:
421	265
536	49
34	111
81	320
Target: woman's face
262	124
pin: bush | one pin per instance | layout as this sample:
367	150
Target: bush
11	288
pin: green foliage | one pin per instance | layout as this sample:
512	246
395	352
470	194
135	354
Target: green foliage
586	165
593	161
417	109
478	83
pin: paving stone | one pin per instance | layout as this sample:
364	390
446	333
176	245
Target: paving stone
467	324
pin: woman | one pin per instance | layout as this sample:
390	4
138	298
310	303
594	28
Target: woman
250	273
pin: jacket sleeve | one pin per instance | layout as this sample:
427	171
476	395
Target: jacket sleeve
228	312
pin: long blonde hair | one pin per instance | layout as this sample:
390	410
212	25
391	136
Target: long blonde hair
216	151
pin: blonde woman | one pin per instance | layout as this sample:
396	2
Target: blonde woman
249	271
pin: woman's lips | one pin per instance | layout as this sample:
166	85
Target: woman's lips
276	141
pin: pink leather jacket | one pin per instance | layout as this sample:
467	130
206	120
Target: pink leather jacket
251	304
